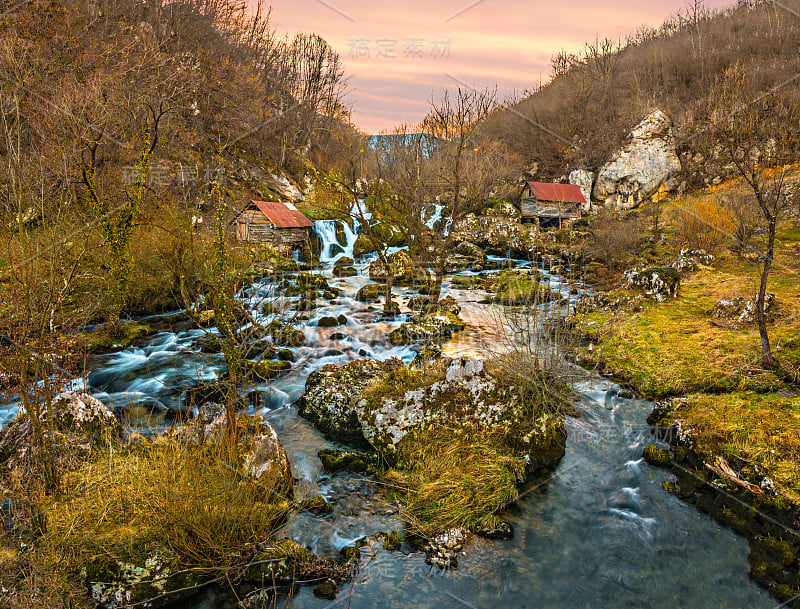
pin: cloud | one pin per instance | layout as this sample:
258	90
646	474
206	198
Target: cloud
502	43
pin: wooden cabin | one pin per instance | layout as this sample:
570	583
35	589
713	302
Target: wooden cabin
551	204
279	224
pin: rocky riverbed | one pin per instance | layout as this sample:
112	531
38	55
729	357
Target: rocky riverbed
616	534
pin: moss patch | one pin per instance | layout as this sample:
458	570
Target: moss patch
758	434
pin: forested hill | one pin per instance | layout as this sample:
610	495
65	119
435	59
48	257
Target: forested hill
597	96
208	85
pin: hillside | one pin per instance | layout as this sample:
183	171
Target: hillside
597	96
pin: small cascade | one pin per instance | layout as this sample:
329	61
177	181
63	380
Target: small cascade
435	215
328	233
332	249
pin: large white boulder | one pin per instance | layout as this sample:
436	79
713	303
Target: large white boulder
583	179
286	189
639	168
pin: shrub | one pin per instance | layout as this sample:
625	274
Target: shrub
615	238
705	225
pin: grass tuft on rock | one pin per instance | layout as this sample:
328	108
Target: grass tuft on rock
451	478
195	507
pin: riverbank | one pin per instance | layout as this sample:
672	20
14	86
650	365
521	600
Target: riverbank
729	427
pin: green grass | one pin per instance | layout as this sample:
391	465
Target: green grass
674	348
517	291
749	429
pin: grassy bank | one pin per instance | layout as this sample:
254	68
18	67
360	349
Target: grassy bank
734	408
156	519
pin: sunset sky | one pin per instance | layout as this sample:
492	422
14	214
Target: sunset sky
398	54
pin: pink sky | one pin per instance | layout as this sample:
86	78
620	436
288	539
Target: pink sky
398	54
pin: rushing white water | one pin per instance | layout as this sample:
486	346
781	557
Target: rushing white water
618	536
435	216
332	249
326	230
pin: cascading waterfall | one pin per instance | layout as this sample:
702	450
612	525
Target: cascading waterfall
332	250
326	230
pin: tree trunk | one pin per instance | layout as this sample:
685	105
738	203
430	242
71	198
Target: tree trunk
387	295
436	292
767	361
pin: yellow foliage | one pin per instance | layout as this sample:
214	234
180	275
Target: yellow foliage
705	224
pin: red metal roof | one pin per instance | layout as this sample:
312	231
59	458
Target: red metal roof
557	193
283	215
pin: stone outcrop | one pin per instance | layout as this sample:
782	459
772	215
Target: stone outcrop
465	394
455	394
286	189
744	312
465	256
689	259
332	392
639	168
434	327
659	283
498	231
583	179
81	423
262	451
114	583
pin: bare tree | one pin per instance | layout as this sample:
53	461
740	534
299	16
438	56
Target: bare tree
457	171
754	136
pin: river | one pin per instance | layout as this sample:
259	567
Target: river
599	533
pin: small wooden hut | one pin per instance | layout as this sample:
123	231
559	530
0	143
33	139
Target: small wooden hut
551	204
279	224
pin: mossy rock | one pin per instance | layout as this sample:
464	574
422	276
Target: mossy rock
370	292
212	345
331	392
268	369
312	282
279	564
328	322
306	305
660	457
151	581
285	355
345	271
401	268
317	505
348	461
327	590
433	328
284	335
363	246
120	337
493	527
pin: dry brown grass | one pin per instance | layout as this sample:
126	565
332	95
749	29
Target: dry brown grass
196	506
452	478
750	429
